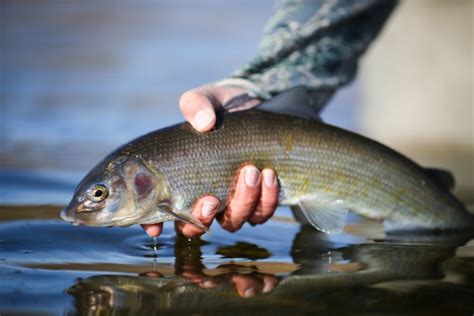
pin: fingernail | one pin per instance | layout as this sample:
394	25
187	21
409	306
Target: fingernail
202	119
249	292
251	176
269	178
208	208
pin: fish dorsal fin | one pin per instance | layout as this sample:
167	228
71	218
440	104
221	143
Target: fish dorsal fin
328	216
182	216
443	177
295	102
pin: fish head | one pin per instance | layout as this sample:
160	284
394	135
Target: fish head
117	192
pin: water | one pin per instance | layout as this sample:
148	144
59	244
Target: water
50	267
80	78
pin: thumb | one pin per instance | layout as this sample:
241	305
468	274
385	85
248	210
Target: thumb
198	110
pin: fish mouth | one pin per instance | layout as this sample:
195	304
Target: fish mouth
65	217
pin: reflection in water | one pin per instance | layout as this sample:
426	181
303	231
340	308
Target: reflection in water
381	277
50	267
244	250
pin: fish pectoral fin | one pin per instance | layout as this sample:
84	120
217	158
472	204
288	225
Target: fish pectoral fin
328	216
191	219
183	216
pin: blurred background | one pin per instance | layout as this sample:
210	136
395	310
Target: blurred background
417	87
79	78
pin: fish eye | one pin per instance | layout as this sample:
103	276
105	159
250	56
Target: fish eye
98	193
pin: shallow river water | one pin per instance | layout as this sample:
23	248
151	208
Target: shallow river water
49	267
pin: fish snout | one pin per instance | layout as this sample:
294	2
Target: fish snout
71	219
64	215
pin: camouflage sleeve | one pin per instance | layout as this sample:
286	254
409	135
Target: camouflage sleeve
312	43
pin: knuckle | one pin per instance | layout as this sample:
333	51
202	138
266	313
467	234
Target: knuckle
242	206
188	99
230	227
190	94
256	220
245	196
261	215
270	194
267	205
229	223
206	221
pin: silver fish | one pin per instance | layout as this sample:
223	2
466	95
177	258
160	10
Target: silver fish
322	170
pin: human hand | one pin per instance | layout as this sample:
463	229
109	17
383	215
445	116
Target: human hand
246	284
198	105
256	193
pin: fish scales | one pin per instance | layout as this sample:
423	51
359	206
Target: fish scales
309	157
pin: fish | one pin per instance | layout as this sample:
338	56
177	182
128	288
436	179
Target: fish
323	172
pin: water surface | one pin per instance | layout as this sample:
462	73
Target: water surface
51	267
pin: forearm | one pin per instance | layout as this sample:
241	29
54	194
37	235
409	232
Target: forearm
312	43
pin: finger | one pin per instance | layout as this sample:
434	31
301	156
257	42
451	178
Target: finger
268	199
208	283
153	230
246	286
204	210
269	283
244	200
193	276
151	274
197	108
200	279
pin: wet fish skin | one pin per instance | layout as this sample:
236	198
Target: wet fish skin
312	160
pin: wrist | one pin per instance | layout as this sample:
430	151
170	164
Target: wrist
250	88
